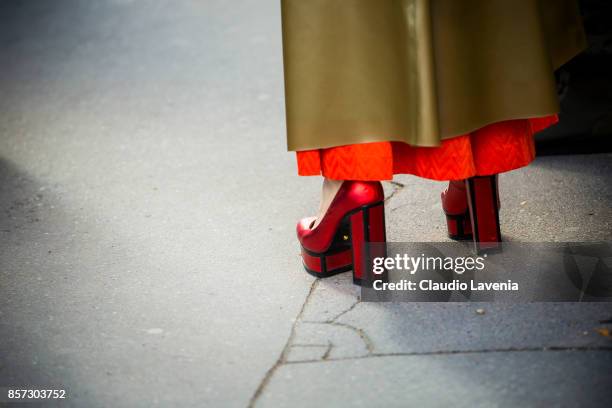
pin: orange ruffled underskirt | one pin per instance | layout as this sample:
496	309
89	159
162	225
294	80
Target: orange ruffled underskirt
493	149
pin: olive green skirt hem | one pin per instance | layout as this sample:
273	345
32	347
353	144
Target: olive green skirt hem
420	71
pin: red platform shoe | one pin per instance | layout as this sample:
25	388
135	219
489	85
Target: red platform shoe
355	217
472	211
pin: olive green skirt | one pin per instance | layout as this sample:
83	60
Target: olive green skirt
419	71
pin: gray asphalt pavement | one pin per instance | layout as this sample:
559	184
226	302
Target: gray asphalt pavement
147	248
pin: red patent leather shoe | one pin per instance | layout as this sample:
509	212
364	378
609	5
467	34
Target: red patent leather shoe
472	211
355	217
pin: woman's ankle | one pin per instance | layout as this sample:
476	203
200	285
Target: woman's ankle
328	192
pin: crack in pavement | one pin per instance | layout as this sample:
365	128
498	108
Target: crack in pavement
328	351
397	187
458	352
360	332
399	207
339	315
282	359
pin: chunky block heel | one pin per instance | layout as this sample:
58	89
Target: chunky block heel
367	227
455	206
483	204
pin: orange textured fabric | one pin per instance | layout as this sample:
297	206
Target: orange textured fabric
493	149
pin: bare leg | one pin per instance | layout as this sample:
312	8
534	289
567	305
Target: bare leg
330	188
